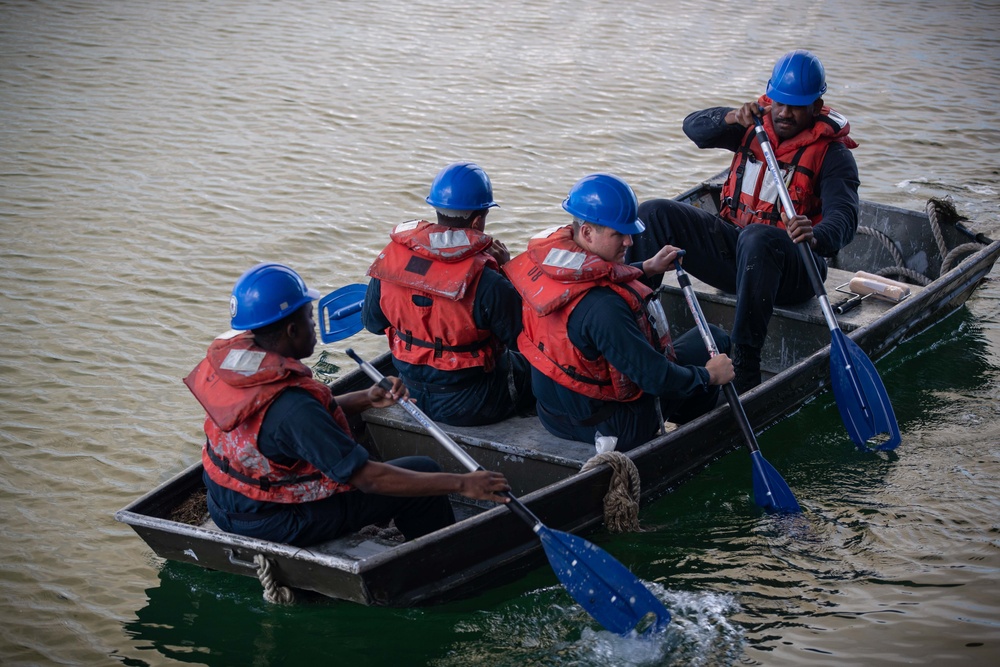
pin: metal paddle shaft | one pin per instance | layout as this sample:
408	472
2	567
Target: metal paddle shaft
769	489
340	313
605	588
861	397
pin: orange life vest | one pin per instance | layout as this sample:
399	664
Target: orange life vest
750	196
552	276
444	264
235	383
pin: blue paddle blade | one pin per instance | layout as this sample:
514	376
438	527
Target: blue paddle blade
340	313
769	489
605	588
861	398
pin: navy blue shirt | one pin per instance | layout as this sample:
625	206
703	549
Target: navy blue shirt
836	184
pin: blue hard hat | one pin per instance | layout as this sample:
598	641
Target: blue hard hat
265	294
462	186
605	200
798	79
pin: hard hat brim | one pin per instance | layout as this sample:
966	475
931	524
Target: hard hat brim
792	100
637	227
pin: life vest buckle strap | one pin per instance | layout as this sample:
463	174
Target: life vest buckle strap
439	347
223	464
572	372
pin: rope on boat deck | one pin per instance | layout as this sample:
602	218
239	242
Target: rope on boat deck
273	591
899	270
621	503
936	209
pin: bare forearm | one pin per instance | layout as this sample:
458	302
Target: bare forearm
373	397
388	480
354	402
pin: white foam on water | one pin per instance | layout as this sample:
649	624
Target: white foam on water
545	627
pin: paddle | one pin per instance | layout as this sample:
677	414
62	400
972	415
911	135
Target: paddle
861	397
340	313
769	489
605	588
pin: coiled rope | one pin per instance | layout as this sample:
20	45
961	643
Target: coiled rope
273	591
621	502
936	209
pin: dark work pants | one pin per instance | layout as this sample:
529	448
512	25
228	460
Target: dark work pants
321	520
487	401
759	263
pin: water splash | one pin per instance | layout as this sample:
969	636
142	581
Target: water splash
545	627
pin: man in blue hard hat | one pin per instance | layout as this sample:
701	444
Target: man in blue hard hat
747	249
597	339
451	317
280	461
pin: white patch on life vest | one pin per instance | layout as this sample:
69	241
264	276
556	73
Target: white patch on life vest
837	118
768	189
244	362
406	226
232	333
564	259
545	233
658	318
453	238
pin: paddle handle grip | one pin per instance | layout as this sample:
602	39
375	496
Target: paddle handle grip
345	311
515	505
